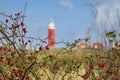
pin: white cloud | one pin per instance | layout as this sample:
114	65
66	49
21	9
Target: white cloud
66	4
107	12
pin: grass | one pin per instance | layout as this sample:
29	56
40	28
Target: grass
68	65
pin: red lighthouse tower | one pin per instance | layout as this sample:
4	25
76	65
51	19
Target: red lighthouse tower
51	34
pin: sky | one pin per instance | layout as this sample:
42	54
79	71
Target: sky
72	18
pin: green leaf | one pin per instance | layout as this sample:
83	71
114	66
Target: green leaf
77	40
119	34
87	39
111	35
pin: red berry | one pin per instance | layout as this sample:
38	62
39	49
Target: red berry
22	24
47	48
102	65
75	64
109	71
29	41
14	52
93	73
42	74
26	43
24	30
70	69
40	48
4	49
18	14
118	46
19	40
56	67
91	67
9	49
7	20
10	28
10	16
15	14
13	26
27	78
51	56
23	41
64	62
16	26
1	58
20	72
9	63
86	62
14	71
85	76
14	18
55	72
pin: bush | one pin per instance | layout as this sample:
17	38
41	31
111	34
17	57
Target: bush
41	63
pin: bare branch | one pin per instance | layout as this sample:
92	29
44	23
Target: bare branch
25	10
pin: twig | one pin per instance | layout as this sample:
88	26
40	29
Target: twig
9	41
25	10
46	73
28	70
91	25
64	76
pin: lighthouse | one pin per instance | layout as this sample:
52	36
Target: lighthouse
51	34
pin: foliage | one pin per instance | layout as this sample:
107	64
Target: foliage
111	36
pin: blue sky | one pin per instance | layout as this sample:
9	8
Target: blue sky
72	17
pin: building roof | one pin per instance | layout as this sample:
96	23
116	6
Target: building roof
82	45
97	43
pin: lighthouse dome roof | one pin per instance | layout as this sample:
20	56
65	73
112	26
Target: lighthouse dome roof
51	25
